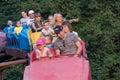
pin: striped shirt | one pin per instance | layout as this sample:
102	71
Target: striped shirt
68	45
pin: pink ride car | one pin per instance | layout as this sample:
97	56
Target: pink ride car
63	67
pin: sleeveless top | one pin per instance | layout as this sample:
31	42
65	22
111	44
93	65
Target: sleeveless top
37	25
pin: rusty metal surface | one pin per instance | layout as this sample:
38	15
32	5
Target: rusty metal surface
2	55
11	63
16	53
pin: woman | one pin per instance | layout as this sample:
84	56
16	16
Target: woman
37	25
58	19
67	28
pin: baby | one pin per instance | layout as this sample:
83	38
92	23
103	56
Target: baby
41	50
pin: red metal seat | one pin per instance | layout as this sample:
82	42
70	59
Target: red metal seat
59	68
65	68
83	48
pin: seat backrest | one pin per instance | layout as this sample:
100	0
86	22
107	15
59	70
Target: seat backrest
29	35
35	36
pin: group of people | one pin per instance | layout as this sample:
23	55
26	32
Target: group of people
67	40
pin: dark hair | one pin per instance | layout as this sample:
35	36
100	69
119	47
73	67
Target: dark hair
68	24
57	29
24	11
50	37
37	14
18	21
45	21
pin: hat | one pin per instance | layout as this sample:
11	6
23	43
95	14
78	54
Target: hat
40	41
37	14
57	29
30	12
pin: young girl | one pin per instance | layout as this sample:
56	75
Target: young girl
41	50
18	28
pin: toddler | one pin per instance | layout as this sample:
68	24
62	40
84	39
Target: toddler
41	50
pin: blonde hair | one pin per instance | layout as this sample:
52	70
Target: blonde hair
55	18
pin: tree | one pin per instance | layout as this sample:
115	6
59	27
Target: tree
98	27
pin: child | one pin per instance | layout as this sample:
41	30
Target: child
18	28
50	19
48	41
47	29
41	50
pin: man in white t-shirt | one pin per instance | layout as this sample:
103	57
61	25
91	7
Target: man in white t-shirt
24	18
31	17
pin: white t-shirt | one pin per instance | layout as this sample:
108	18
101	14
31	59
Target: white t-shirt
30	21
47	32
75	33
24	21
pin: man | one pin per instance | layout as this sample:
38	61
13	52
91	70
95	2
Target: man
31	17
24	19
66	43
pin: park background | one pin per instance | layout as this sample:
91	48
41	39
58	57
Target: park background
98	26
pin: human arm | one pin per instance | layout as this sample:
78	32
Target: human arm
77	43
49	53
57	50
73	20
79	49
39	28
33	27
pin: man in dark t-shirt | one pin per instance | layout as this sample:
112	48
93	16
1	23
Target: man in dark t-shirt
66	43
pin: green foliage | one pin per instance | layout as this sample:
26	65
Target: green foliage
99	27
15	72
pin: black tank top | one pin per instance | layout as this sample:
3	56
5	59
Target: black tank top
37	25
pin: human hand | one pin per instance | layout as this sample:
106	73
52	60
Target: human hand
76	20
76	55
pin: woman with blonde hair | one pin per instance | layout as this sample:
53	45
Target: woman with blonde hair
58	19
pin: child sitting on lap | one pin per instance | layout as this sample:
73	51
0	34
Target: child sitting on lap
41	50
48	41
